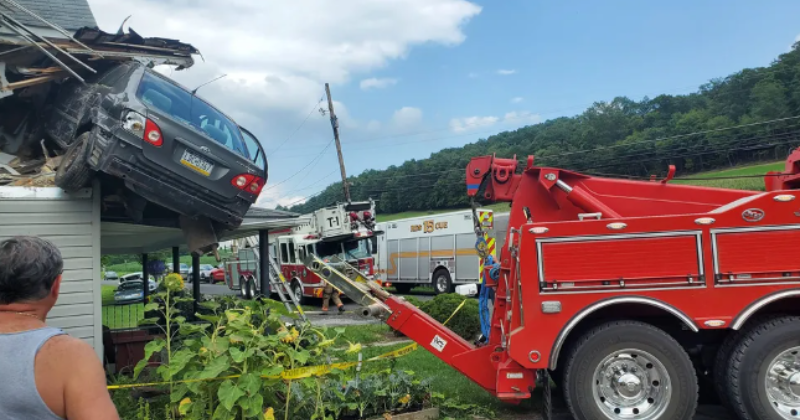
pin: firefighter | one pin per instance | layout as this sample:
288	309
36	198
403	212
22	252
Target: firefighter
328	294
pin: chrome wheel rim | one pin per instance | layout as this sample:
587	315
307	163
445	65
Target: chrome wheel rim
631	384
782	384
298	293
441	283
242	287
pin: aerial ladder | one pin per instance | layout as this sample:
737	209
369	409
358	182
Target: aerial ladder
277	282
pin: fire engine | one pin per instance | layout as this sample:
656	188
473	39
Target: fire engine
633	297
344	230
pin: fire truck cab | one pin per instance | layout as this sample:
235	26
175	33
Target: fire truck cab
344	230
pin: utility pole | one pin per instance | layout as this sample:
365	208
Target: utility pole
335	125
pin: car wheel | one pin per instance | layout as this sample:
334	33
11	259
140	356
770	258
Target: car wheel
74	172
442	282
764	371
630	370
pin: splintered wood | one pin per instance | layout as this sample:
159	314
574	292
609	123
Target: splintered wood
30	172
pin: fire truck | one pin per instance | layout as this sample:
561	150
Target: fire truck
344	231
633	297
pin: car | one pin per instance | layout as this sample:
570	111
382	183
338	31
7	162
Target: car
163	143
205	272
111	276
184	270
133	277
131	292
218	275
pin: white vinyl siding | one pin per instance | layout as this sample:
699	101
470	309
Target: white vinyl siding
72	223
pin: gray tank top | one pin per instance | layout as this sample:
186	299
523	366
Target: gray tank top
19	398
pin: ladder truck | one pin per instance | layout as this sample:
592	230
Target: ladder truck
346	231
632	297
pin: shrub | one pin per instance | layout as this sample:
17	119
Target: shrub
465	323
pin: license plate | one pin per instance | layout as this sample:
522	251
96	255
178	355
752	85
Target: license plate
197	163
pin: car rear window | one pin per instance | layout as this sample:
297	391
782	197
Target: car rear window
182	106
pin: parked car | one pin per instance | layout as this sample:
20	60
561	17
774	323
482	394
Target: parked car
133	277
132	292
183	270
205	272
111	276
218	275
164	143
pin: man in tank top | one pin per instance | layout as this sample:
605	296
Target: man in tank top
44	373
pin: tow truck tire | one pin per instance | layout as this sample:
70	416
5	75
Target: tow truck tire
764	371
442	283
74	173
629	369
723	357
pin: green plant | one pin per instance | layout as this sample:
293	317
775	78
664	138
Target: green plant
466	322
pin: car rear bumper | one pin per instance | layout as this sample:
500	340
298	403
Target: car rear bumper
161	186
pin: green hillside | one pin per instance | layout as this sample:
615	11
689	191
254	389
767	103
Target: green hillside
750	116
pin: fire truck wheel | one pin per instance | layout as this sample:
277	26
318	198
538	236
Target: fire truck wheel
442	282
723	357
297	291
630	370
245	291
764	371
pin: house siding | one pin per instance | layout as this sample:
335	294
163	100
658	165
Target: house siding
72	223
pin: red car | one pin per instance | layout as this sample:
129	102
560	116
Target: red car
217	275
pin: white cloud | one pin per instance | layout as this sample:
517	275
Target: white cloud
517	100
460	125
407	117
504	72
375	83
271	198
472	75
278	58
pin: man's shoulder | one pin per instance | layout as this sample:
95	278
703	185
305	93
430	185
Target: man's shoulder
64	347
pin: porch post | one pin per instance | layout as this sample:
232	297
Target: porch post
176	260
195	283
263	258
145	278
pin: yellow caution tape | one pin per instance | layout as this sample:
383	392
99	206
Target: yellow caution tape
456	311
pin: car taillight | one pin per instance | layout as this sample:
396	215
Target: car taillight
250	183
152	134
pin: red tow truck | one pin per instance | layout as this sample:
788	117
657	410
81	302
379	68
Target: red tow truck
634	297
344	230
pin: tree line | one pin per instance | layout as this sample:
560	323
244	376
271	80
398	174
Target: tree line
749	116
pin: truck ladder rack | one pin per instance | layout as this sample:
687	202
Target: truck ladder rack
278	283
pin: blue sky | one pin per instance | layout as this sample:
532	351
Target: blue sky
442	73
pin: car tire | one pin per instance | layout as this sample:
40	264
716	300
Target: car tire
74	172
771	346
660	382
442	283
403	288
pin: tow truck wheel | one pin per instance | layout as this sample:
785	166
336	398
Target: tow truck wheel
442	282
764	371
630	370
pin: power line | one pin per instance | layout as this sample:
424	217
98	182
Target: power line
299	126
303	168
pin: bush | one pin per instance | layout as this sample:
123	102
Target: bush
465	323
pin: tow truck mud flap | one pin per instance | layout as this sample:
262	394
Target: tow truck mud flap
201	238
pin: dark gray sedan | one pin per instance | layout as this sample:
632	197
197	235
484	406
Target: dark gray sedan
161	141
